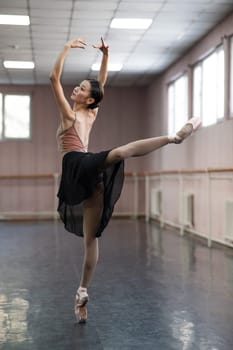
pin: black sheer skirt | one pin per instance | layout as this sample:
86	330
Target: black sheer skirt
81	174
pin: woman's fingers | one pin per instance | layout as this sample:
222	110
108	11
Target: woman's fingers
78	43
102	46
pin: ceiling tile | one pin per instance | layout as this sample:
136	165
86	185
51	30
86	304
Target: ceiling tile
95	6
50	4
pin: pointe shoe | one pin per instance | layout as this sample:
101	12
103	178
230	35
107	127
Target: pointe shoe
80	308
81	314
191	126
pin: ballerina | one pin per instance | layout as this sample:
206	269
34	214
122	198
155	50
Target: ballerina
91	183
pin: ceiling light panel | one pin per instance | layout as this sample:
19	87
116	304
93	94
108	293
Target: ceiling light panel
18	64
14	20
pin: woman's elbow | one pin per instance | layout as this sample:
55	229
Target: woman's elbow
53	77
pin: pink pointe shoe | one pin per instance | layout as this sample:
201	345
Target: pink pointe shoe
191	126
80	308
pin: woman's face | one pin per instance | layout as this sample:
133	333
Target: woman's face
81	93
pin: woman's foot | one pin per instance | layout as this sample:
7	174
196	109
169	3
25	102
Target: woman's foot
80	308
191	126
81	314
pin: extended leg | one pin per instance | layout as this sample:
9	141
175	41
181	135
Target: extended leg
143	147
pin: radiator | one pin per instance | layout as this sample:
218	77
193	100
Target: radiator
228	220
155	202
187	209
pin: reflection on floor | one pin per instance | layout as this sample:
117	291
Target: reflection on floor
152	290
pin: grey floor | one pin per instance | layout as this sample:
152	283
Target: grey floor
152	290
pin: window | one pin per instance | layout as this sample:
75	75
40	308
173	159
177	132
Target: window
15	113
177	104
197	96
208	88
231	81
1	117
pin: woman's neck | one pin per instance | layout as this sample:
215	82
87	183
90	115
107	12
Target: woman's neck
78	108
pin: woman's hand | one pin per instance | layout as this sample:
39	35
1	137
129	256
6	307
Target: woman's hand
102	47
102	76
76	43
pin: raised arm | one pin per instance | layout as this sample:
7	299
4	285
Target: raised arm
103	72
55	77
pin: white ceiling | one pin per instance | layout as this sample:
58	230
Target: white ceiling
177	25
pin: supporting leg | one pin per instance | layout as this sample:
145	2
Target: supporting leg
92	213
